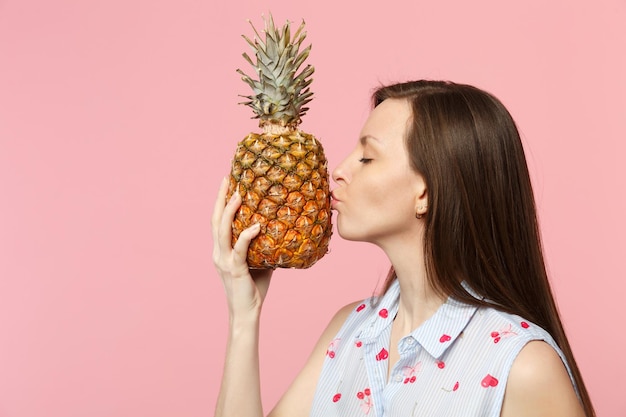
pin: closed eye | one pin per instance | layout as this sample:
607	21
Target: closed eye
365	160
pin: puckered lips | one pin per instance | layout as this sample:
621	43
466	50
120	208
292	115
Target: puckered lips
334	201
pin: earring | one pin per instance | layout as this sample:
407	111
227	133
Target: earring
420	215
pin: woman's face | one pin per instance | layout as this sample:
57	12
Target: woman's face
377	191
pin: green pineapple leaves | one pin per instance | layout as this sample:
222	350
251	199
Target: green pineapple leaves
279	95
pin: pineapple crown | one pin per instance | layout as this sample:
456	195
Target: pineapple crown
279	95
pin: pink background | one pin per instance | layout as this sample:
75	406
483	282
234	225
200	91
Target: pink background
119	118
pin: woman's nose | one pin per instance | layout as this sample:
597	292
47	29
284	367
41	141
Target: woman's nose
340	172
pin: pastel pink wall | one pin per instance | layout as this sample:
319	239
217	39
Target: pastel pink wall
119	118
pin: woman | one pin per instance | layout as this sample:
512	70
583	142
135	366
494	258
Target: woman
466	324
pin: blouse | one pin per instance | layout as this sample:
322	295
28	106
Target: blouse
455	364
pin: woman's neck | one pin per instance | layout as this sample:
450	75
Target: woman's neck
418	299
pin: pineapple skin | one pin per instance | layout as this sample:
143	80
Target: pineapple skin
282	178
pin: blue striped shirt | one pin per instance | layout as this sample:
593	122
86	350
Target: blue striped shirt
455	364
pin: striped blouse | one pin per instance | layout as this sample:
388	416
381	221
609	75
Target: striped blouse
455	364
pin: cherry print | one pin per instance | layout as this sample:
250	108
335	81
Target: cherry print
383	313
359	308
507	331
330	351
337	396
366	401
441	364
410	371
382	355
489	381
358	344
525	325
444	338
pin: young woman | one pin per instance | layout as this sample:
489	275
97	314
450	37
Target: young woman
466	324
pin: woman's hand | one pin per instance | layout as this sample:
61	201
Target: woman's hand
245	289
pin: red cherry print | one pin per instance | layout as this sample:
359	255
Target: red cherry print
383	313
444	338
412	380
358	344
337	396
441	364
367	392
359	308
504	332
406	380
330	351
525	325
382	355
489	381
360	395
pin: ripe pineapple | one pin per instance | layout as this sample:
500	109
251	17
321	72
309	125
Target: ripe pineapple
282	172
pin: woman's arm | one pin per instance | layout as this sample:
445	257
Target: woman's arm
539	385
245	293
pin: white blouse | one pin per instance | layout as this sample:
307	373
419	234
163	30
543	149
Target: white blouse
455	364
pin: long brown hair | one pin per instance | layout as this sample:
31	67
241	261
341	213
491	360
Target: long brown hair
481	224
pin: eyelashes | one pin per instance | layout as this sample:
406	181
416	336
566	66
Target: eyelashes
365	160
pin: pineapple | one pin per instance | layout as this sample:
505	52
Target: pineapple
281	173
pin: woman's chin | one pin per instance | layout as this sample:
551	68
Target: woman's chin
349	234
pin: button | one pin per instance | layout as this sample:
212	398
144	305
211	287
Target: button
398	378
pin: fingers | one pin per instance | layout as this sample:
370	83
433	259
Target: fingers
223	216
224	229
241	246
221	222
218	208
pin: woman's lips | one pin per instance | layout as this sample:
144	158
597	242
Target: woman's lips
334	201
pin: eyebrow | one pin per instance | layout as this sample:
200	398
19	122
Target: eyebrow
364	139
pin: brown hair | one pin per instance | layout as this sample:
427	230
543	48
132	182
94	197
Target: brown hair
481	224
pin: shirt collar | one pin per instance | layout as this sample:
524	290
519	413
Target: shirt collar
383	311
441	330
435	335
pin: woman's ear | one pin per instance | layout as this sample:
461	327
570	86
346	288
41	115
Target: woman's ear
421	198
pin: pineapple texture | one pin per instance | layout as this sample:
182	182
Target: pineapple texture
281	173
283	181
